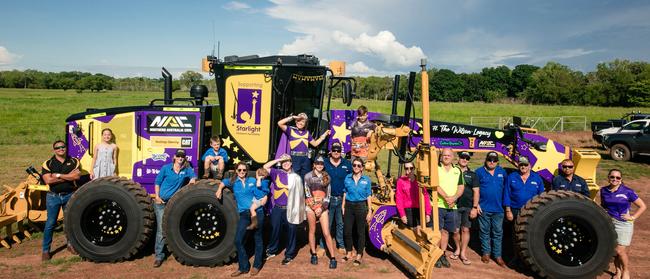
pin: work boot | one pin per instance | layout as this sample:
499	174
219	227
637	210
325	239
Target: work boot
320	252
237	273
342	251
253	224
500	262
71	249
438	263
485	258
157	263
254	271
444	261
46	256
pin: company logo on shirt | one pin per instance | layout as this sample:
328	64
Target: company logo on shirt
533	183
500	175
622	196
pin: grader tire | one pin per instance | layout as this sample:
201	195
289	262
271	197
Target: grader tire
109	219
199	228
562	234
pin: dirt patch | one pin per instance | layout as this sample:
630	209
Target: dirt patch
581	139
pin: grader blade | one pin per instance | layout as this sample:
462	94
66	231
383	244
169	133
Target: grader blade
25	202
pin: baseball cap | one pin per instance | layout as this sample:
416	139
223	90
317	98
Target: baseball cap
492	156
523	160
319	159
336	147
180	153
464	154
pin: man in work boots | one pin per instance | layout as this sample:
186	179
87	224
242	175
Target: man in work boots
60	172
492	178
338	168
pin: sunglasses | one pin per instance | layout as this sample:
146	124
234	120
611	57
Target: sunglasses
241	170
357	165
336	151
615	177
59	147
464	158
408	168
492	161
567	166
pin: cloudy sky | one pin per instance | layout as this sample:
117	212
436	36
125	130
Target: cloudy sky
135	38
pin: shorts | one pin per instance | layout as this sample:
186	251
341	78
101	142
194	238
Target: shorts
624	231
257	202
448	219
463	213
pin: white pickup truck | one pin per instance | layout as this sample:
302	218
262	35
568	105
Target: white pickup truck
629	128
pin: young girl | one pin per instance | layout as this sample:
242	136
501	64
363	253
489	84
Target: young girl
105	156
259	199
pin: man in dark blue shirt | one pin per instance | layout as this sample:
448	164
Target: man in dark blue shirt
569	181
170	179
492	179
338	168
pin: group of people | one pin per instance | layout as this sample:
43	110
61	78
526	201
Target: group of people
334	192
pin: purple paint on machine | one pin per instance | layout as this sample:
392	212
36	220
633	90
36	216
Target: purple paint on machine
249	105
383	214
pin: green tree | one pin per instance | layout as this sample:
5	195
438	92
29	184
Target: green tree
446	86
555	84
497	78
640	93
190	78
520	78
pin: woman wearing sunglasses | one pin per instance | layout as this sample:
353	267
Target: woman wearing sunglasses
356	202
246	189
616	198
407	198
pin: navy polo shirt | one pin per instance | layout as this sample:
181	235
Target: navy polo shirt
577	184
491	190
517	193
337	175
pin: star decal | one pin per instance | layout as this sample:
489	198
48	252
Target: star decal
255	94
227	142
236	160
548	160
340	132
235	149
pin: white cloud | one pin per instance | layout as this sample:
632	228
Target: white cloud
236	6
384	45
6	57
562	54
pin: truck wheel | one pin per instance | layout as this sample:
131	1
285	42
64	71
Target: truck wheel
620	152
109	219
562	234
199	228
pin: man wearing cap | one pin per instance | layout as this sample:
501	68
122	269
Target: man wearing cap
169	180
288	210
569	181
299	140
467	208
60	172
492	179
451	187
338	168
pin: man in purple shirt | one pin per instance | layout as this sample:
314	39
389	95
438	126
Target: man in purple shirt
299	140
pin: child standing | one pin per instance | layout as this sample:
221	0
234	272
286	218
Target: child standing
259	199
105	156
214	159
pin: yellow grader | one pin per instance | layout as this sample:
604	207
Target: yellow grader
559	234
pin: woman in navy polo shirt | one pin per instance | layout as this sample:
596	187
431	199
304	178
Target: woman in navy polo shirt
356	202
616	198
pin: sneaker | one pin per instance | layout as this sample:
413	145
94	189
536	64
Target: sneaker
314	259
269	256
438	264
444	261
286	261
333	263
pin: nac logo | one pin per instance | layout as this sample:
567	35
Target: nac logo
161	123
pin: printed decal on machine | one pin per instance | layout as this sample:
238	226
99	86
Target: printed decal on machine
171	123
451	142
171	142
486	144
459	130
249	107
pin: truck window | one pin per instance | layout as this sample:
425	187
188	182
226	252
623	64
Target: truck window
634	126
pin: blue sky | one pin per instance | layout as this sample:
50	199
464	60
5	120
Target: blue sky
136	38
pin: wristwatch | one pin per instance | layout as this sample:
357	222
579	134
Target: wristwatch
58	175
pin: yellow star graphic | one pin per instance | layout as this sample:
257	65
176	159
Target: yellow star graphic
340	132
227	142
255	94
235	160
550	159
282	188
235	149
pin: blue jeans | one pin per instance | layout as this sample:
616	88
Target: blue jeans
159	210
278	221
491	223
240	240
53	203
301	165
336	221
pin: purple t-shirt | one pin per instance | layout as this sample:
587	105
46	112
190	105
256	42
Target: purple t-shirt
298	139
279	189
618	202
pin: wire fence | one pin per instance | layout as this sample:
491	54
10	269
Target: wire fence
550	124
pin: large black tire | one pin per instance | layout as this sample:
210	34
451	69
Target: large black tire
109	219
199	228
562	234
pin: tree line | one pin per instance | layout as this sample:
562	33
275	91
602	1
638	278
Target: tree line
614	83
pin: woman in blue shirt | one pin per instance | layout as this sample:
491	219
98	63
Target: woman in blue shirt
356	202
245	189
